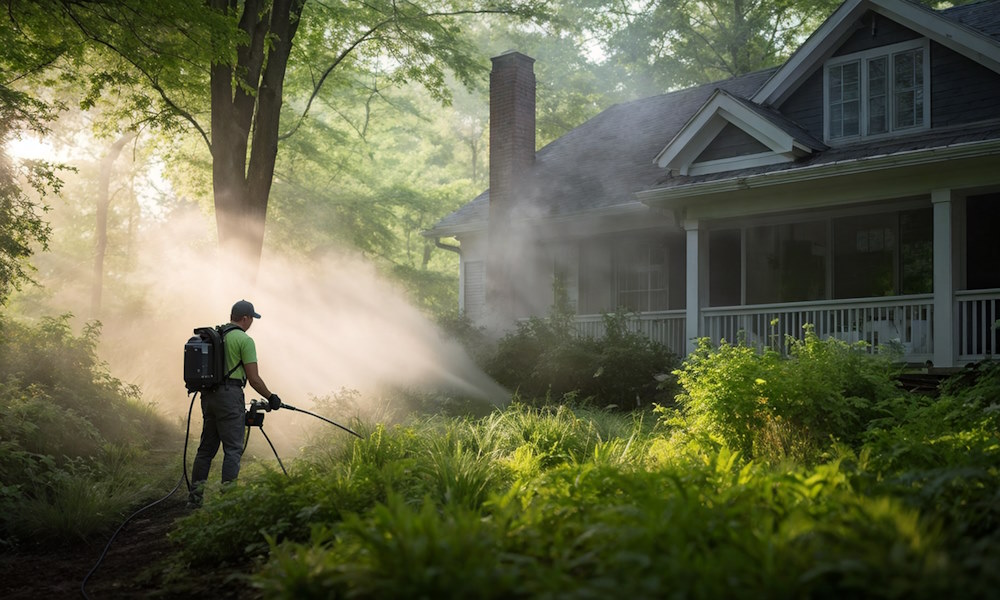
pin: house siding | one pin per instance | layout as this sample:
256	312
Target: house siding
731	141
886	32
805	106
962	91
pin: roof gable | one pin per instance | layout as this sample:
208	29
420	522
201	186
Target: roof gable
936	26
777	142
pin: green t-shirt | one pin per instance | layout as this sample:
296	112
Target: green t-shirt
239	347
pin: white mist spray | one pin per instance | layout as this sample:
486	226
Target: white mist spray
328	323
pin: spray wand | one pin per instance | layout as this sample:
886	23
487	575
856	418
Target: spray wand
264	405
255	418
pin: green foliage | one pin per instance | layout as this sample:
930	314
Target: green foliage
73	441
583	503
772	406
545	358
398	550
941	454
671	45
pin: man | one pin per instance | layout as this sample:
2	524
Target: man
223	409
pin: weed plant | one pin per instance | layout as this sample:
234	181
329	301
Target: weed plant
75	442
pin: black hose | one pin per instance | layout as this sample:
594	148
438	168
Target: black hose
273	450
83	584
187	436
183	479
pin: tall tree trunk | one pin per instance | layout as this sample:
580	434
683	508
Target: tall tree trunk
245	120
101	226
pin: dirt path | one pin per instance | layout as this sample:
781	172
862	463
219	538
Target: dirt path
132	567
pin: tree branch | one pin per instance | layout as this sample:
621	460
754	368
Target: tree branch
394	20
319	84
142	71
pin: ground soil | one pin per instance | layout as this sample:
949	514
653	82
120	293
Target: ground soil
135	566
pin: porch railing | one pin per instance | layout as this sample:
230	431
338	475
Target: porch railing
903	322
900	321
666	327
977	312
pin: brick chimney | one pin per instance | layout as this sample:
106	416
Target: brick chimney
512	153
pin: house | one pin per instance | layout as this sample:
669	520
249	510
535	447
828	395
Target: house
856	188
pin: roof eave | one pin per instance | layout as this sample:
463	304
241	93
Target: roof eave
677	196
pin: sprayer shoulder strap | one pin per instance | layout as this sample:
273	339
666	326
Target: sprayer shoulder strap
223	330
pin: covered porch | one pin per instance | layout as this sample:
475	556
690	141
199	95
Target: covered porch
918	274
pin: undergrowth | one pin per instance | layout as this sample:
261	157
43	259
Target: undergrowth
75	442
583	503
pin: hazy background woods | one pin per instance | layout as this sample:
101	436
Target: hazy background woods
110	212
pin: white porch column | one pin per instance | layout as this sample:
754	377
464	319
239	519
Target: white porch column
944	280
696	262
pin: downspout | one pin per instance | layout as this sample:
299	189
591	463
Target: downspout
456	249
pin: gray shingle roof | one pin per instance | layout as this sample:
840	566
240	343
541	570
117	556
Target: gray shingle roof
603	162
983	17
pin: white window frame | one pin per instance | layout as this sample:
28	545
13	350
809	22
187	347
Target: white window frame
862	58
620	267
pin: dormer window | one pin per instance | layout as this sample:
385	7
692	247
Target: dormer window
877	92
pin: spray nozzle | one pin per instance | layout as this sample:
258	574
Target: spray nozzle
256	405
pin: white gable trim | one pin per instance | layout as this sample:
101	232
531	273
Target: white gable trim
822	43
719	110
736	162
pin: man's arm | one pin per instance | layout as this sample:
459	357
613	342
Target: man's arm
253	378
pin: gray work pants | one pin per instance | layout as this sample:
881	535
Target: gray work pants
224	419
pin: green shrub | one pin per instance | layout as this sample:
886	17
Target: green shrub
73	440
398	550
704	529
772	406
544	358
941	456
579	503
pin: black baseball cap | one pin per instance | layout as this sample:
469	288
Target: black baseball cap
243	309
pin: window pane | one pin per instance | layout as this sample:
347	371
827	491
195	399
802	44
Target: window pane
903	71
877	122
641	275
852	118
724	278
845	99
908	93
916	251
595	278
786	263
864	254
877	83
982	242
904	113
836	121
852	83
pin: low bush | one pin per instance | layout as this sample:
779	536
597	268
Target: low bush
74	440
544	359
772	406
